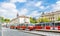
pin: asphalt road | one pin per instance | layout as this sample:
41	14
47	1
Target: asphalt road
0	33
11	32
0	30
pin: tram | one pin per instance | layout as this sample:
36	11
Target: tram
39	26
21	26
25	26
48	26
13	26
31	27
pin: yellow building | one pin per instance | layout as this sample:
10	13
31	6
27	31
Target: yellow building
52	16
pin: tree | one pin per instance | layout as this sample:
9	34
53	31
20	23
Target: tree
39	20
33	20
58	18
1	19
7	20
43	19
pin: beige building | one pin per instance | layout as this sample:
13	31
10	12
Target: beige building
52	16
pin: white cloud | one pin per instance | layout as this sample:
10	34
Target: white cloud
8	13
23	11
34	14
42	7
35	4
8	10
38	4
58	2
8	5
13	1
56	7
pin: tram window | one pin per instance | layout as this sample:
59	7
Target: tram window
43	24
51	24
26	25
47	24
38	25
57	24
31	24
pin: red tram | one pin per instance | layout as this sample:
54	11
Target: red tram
39	26
48	26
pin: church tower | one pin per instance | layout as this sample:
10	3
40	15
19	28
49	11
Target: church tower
17	15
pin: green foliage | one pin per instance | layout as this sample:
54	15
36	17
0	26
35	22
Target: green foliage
44	19
58	18
2	19
7	20
33	20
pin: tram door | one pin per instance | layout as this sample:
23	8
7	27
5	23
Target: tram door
43	25
26	26
48	26
57	26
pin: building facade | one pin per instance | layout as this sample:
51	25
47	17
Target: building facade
52	16
20	20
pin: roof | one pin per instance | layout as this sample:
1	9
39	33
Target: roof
19	17
51	13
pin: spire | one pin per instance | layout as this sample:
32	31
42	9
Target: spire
43	13
17	14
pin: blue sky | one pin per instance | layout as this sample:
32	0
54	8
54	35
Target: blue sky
31	8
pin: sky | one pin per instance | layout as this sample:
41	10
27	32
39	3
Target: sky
31	8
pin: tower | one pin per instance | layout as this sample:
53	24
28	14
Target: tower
43	13
18	18
17	15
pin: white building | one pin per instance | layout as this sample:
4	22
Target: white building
20	20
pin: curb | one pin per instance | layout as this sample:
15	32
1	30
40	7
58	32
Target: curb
35	33
54	31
